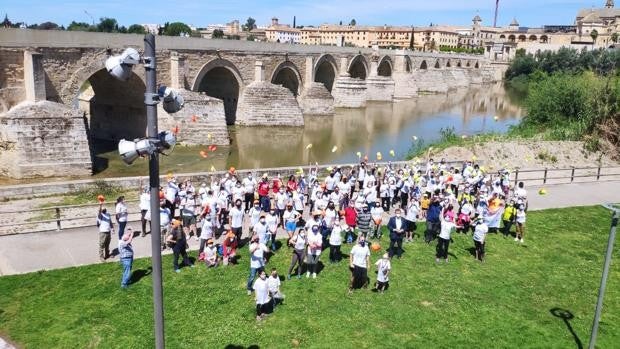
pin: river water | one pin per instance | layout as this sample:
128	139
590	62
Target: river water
380	127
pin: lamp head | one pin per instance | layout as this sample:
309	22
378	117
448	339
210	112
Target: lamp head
167	141
131	150
120	66
172	101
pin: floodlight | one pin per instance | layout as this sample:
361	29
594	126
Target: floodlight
131	150
167	140
120	66
172	100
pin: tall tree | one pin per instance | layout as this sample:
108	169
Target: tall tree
614	37
79	26
594	35
48	26
136	29
250	24
217	34
176	28
107	25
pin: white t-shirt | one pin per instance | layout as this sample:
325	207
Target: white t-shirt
236	217
345	187
412	213
383	266
145	201
237	193
446	229
207	229
281	199
316	239
376	212
121	211
260	230
521	216
359	255
480	231
261	290
257	259
299	241
330	183
274	284
335	238
249	185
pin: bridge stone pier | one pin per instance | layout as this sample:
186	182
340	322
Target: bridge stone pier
224	82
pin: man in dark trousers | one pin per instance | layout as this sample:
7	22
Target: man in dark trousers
397	226
433	224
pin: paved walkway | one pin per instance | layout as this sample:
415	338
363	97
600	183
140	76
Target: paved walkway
73	247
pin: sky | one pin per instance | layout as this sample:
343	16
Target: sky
200	13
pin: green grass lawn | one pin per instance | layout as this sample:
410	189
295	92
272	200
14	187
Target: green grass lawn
504	303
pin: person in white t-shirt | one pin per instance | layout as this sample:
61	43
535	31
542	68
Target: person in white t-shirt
480	233
520	219
274	287
384	266
335	241
359	261
236	219
443	241
299	242
257	260
261	288
121	215
145	205
315	243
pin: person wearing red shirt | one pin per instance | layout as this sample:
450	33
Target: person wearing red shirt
230	248
263	194
277	183
350	215
291	186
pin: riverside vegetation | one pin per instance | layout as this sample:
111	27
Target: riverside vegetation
569	95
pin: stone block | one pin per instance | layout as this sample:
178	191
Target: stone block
316	100
379	88
265	104
349	92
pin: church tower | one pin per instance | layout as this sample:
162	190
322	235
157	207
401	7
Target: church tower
609	4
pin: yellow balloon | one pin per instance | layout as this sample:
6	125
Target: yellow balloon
209	136
334	149
474	158
359	154
542	191
309	146
379	156
496	118
392	153
464	136
415	138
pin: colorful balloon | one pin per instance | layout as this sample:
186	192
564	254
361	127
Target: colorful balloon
334	149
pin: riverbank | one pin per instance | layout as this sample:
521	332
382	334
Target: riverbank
520	153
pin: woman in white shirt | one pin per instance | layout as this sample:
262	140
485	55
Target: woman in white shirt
520	218
383	270
298	241
335	241
480	233
261	289
121	216
315	246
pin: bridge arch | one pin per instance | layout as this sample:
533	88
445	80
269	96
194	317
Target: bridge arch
113	109
458	63
448	64
437	64
358	67
219	78
408	64
325	71
423	65
385	66
477	65
468	65
287	75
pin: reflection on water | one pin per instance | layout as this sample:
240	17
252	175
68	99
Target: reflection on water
380	127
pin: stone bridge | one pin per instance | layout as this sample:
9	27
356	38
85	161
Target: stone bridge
224	82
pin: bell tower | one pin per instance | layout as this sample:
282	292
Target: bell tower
609	4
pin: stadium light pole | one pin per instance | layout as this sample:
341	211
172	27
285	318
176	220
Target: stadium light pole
601	291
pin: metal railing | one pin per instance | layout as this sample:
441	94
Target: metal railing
72	216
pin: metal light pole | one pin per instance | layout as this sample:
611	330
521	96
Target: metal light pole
601	291
150	99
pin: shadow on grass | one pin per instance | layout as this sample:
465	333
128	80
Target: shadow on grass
137	275
234	346
566	316
472	251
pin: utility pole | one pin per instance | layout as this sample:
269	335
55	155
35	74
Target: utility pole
496	10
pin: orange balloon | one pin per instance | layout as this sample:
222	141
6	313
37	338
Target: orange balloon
175	130
100	198
231	170
375	247
203	153
161	195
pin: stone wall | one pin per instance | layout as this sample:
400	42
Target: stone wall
404	85
266	104
12	90
431	81
316	100
201	121
51	136
379	88
349	92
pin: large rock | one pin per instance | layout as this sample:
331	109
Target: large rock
265	104
316	100
201	121
43	139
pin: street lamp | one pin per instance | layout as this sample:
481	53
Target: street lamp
121	67
601	291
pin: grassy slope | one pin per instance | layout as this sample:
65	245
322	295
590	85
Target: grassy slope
504	302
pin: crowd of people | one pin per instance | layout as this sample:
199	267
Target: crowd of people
319	211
